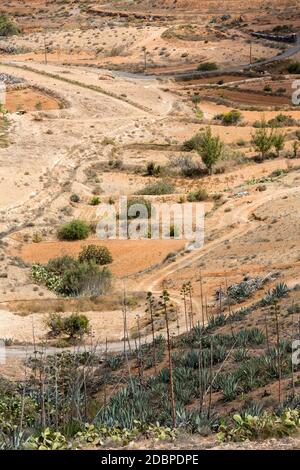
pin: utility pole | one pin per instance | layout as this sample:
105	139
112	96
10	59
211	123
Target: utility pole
45	49
45	44
145	58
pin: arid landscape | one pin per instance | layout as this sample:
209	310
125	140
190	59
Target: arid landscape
161	102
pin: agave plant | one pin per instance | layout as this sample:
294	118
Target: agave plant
252	408
241	355
279	291
231	387
217	321
250	336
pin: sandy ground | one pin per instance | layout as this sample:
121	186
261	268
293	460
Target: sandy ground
76	141
57	152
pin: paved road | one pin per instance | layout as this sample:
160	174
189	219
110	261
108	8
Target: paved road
291	51
284	55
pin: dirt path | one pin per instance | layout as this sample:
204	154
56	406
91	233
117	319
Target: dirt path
239	216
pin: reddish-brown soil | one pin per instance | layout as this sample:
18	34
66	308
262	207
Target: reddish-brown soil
216	79
130	256
243	97
28	99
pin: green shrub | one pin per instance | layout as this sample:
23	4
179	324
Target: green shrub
198	195
260	427
188	166
282	120
74	198
47	440
75	230
7	27
268	89
207	66
192	144
281	90
196	99
210	149
98	254
262	139
294	68
95	201
232	117
69	277
85	279
153	169
55	324
157	189
76	325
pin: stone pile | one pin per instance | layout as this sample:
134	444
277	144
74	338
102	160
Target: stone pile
10	79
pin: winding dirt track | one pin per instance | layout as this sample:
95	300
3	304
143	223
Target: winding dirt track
68	162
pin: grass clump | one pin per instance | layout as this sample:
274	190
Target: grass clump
198	195
157	189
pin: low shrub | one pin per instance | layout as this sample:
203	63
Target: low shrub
99	254
192	144
157	189
7	27
260	427
232	117
198	195
207	67
188	166
74	230
69	277
95	201
152	169
268	89
74	198
294	68
74	326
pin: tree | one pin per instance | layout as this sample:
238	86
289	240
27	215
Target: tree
263	139
278	142
210	149
75	326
